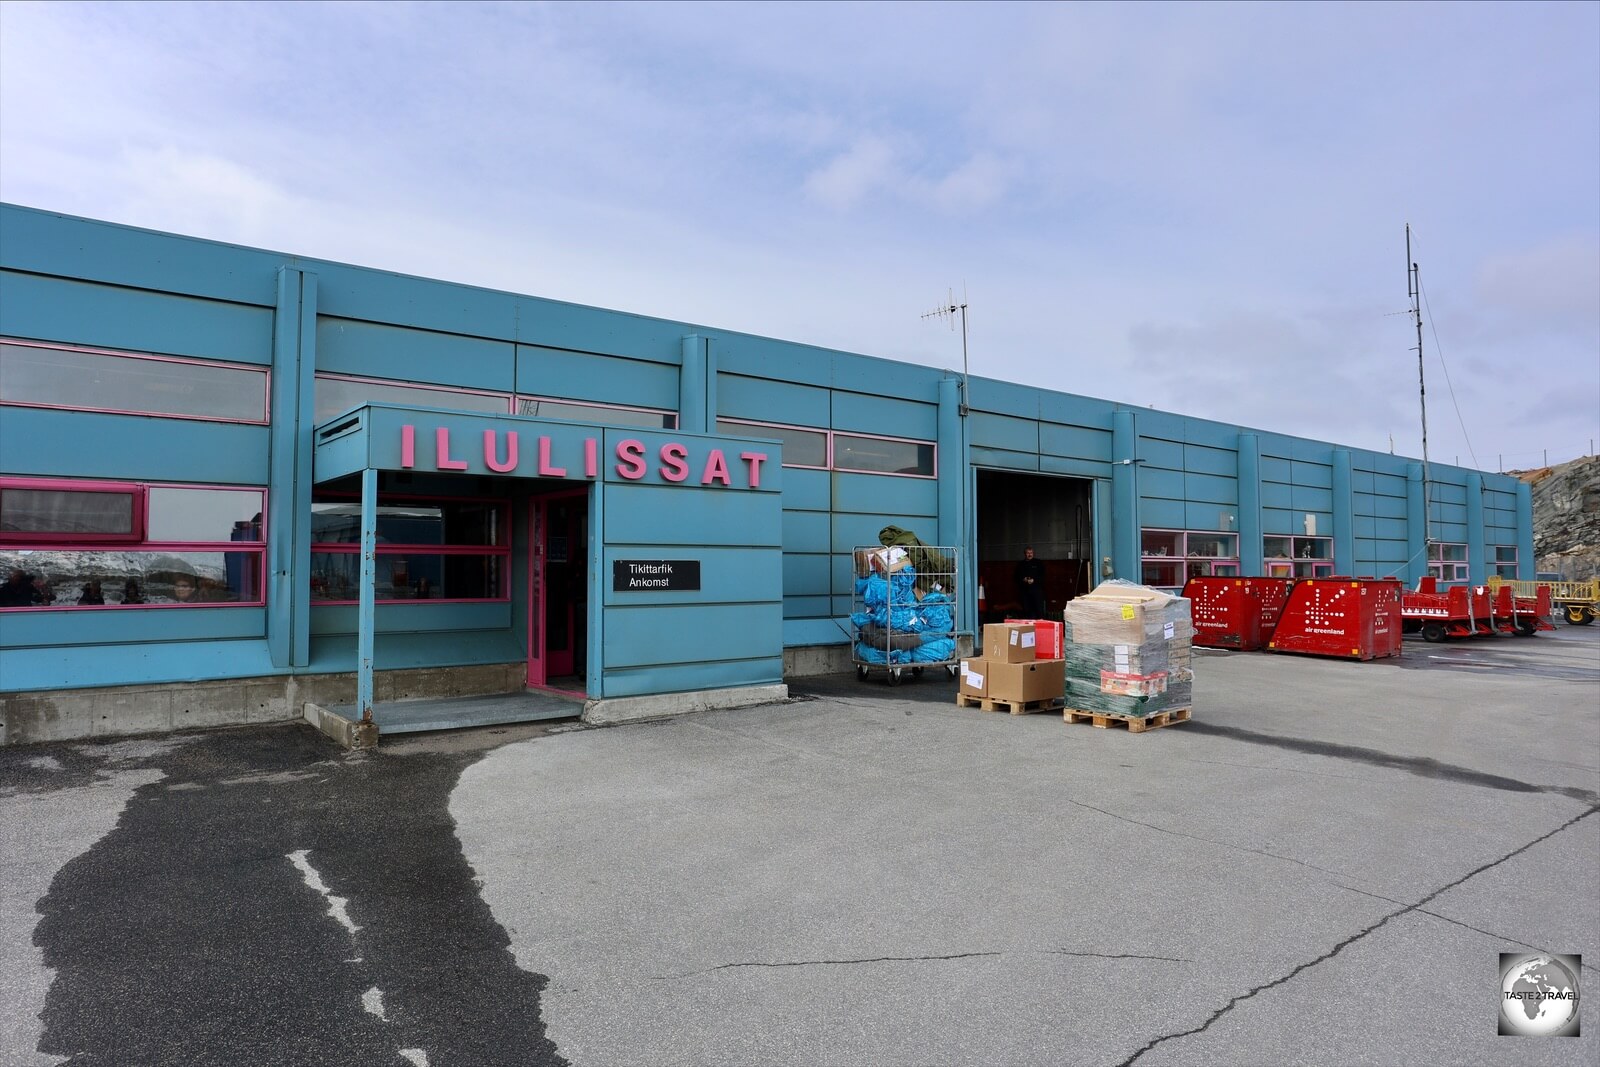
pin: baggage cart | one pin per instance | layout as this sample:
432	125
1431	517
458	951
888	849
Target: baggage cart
905	613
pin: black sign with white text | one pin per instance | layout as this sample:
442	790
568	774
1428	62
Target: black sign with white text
641	575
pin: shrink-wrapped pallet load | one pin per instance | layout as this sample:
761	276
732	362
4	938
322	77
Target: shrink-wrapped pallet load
1128	651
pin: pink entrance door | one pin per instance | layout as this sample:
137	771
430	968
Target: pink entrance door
558	591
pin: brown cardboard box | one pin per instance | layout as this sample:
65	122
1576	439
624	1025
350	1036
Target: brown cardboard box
1042	679
1009	642
1119	613
974	678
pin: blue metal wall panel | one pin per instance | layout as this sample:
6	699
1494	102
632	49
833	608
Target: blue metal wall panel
802	632
869	493
1002	398
1306	498
45	242
1390	507
1207	434
1211	489
742	397
104	316
1075	468
329	619
85	444
1203	459
1162	514
332	653
1276	470
1070	410
1001	459
634	513
805	531
557	372
888	416
1006	432
1280	521
1441	492
1362	481
1156	482
640	636
1201	515
90	666
870	376
807	490
768	358
1074	442
1162	425
854	531
1158	453
1364	526
1318	475
1391	528
804	575
1276	495
808	607
34	629
689	677
377	350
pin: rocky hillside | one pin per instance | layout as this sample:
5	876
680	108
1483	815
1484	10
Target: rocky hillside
1566	516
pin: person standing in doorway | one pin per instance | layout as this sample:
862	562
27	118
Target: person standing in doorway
1030	584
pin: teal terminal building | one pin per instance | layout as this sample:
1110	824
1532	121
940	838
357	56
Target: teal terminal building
235	481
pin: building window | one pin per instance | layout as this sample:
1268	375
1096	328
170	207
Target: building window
33	374
816	449
1505	561
801	447
1292	556
105	545
606	414
1171	557
1447	562
336	394
883	455
428	549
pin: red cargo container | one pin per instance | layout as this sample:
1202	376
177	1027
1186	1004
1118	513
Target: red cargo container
1356	618
1239	613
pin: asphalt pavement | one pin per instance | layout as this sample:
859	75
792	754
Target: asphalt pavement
1321	867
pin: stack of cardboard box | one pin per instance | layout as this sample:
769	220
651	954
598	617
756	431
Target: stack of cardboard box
1128	651
1010	669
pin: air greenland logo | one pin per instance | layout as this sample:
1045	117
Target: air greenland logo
1539	994
502	454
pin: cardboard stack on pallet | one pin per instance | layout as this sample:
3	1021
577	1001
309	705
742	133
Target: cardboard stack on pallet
1128	652
1011	673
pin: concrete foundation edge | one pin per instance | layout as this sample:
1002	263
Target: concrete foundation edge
662	705
344	732
130	710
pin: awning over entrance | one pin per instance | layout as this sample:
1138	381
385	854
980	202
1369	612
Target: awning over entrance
711	502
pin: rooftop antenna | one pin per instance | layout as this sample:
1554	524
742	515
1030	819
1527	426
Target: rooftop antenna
948	310
1414	284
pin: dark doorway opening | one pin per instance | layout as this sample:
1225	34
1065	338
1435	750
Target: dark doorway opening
1053	515
558	597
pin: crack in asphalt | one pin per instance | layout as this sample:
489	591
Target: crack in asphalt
913	959
1196	837
1117	956
823	963
1458	922
1353	938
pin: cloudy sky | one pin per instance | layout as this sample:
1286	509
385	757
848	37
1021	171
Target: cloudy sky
1200	208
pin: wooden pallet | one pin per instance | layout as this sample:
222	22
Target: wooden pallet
1134	724
1015	707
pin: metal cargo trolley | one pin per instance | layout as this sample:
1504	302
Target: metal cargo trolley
905	615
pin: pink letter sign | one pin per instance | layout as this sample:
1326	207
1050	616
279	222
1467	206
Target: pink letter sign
441	458
491	452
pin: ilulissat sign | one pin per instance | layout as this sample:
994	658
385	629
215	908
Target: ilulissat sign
553	456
